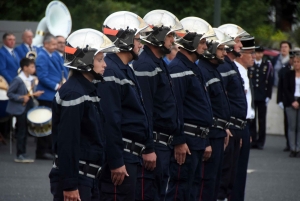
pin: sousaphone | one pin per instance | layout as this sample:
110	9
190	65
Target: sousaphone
57	21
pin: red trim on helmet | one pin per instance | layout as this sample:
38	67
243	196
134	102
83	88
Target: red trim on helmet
70	50
110	31
180	34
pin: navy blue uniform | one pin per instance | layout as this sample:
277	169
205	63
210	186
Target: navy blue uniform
262	79
212	168
126	124
78	139
233	84
195	114
160	103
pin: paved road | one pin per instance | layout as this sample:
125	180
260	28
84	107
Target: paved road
274	176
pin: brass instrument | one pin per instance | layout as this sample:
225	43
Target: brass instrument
31	55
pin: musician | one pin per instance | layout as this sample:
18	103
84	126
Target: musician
20	93
26	46
49	72
61	43
261	75
77	122
9	59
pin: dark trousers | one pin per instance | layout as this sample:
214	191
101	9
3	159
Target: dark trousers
44	144
229	167
286	128
86	193
123	192
184	183
22	132
151	185
258	138
211	171
238	193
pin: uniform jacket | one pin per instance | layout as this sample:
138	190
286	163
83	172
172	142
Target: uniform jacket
22	50
281	77
8	65
61	60
77	129
124	111
16	89
262	80
192	97
158	94
233	84
289	85
49	72
219	101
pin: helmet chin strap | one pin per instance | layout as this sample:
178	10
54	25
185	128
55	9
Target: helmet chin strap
134	55
165	50
235	53
97	76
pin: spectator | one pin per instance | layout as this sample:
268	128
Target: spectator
281	60
9	60
49	72
26	46
20	93
291	90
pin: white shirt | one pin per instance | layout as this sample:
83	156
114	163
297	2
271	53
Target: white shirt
27	81
297	87
258	62
9	49
50	54
244	73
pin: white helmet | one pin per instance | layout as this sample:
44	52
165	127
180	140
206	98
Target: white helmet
215	42
81	47
163	23
122	26
196	29
233	30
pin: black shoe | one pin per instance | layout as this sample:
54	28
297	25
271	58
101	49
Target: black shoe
293	154
45	156
286	149
260	147
254	146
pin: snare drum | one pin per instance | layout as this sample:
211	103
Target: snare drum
39	121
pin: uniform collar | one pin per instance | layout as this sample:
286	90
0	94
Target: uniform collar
258	63
151	54
88	86
8	49
207	64
50	54
185	60
114	57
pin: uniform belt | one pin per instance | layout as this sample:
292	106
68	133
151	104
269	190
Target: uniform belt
220	123
195	130
133	147
162	138
239	123
85	168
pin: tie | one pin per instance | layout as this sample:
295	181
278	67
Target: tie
13	54
30	48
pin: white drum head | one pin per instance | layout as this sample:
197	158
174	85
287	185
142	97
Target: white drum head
39	115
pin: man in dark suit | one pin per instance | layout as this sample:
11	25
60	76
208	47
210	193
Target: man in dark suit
281	60
9	60
261	75
26	46
49	71
280	96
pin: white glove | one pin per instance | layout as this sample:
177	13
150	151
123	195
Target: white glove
281	105
267	100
